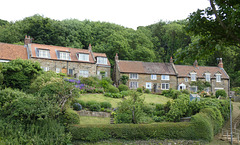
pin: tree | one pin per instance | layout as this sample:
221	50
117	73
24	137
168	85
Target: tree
201	85
19	73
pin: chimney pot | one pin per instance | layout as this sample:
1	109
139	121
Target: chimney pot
90	47
195	64
220	64
116	57
27	40
171	60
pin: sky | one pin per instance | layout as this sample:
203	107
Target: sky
128	13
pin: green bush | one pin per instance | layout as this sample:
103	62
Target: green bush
81	102
89	103
221	93
123	87
106	105
8	95
77	107
71	117
171	93
147	91
95	107
140	90
125	93
90	81
124	79
112	89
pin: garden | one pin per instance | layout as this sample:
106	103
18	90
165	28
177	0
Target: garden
39	107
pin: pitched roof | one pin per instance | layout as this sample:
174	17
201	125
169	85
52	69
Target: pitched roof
185	70
101	55
145	67
12	51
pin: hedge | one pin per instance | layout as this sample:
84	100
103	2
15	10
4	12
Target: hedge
203	126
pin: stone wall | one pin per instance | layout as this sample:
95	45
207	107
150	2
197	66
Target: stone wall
105	69
91	113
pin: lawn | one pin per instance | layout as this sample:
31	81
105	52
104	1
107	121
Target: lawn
94	120
149	98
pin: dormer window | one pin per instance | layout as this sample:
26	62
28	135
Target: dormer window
43	53
101	60
193	76
208	77
218	77
64	55
83	57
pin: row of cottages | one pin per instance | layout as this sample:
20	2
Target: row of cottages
71	61
163	76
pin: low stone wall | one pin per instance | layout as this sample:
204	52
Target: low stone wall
91	113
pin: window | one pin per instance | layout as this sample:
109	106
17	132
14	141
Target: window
153	77
83	57
186	79
218	77
165	77
148	86
133	76
58	70
83	73
102	73
70	71
165	86
218	89
193	88
101	60
64	55
133	85
193	76
43	53
208	77
45	68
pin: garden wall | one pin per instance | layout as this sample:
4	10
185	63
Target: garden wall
91	113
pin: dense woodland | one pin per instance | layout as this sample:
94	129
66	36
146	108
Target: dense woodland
200	36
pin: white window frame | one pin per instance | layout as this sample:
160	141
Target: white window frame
208	77
150	85
43	53
165	86
193	76
165	77
186	79
218	89
153	77
84	73
101	60
218	77
193	87
58	70
133	85
45	68
64	55
133	76
83	57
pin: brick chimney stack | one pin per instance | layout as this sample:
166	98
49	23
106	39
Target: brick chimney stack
195	64
27	40
116	57
220	64
90	47
171	60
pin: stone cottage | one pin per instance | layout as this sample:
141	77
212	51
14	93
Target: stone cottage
163	76
71	61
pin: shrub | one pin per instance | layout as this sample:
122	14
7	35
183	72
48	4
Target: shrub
8	95
82	103
102	109
106	105
140	90
113	95
112	89
70	117
95	107
171	93
221	93
90	81
125	93
77	107
157	119
89	103
123	87
147	91
124	79
185	91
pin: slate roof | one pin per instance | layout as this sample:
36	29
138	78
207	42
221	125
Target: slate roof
184	71
145	67
12	51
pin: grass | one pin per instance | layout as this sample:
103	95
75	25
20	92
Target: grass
149	98
94	120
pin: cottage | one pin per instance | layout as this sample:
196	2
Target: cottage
71	61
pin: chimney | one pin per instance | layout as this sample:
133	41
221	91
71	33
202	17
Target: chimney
27	40
220	64
90	47
195	64
116	57
171	60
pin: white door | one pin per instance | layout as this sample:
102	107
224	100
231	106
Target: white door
182	86
148	85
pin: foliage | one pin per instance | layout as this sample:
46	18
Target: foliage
77	107
221	93
19	73
171	93
140	90
237	90
95	107
147	91
112	89
90	81
70	116
201	85
106	105
123	87
1	76
124	79
82	103
89	103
